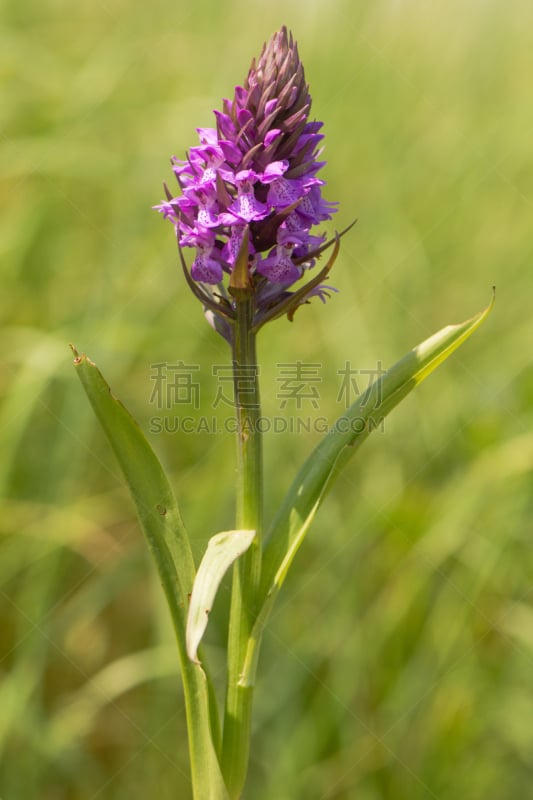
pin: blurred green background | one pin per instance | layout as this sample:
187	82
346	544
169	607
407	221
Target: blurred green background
399	663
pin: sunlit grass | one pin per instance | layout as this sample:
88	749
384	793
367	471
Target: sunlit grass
398	662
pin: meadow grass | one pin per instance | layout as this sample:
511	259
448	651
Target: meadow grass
398	663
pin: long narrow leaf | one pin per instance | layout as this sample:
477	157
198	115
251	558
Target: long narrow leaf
169	544
148	484
349	432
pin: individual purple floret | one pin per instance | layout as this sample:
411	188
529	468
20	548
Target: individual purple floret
250	192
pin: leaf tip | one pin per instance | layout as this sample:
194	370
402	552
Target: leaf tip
222	550
77	358
491	304
80	358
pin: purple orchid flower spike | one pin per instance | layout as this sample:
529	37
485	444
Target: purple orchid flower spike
253	179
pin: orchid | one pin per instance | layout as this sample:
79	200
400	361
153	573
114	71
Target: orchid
249	199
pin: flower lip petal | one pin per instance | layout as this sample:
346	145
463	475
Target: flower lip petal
205	268
279	267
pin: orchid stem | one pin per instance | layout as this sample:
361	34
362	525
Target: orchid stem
247	570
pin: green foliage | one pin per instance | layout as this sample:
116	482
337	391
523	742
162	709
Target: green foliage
397	663
298	509
169	545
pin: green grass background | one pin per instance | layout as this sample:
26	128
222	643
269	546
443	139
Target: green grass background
399	662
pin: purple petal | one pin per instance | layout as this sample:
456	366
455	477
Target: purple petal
278	267
207	135
271	136
167	209
244	117
274	170
233	245
205	269
283	192
226	126
241	96
271	105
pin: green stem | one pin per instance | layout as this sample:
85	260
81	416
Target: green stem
247	570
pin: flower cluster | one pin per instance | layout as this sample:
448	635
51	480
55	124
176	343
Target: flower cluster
252	183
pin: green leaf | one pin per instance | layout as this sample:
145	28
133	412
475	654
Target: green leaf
150	489
222	550
349	432
169	544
